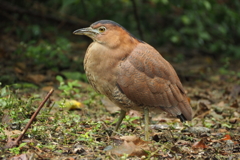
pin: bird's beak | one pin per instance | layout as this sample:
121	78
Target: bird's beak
89	31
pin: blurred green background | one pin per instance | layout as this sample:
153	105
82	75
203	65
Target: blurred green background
39	32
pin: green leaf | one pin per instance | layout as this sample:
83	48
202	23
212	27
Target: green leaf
72	75
204	36
186	20
207	5
175	39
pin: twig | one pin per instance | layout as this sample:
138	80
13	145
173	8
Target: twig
137	18
15	142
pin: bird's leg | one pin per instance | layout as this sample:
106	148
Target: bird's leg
146	122
120	119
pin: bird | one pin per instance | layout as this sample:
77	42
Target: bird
132	73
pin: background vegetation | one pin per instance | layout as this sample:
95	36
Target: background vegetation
38	51
41	31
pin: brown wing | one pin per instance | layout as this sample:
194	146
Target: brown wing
148	79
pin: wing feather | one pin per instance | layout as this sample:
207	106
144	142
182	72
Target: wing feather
147	78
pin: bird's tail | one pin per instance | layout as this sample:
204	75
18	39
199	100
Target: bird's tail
186	110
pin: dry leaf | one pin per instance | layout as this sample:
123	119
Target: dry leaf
221	104
21	65
133	113
234	120
131	145
222	130
10	133
200	144
46	88
20	157
182	142
18	70
235	91
235	104
202	109
73	105
226	137
36	78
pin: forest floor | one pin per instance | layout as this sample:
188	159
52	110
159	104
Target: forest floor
76	122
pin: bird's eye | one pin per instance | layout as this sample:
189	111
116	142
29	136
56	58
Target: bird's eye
101	29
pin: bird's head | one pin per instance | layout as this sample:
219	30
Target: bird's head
106	32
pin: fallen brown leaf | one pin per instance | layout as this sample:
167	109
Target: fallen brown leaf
203	109
36	78
131	145
234	104
20	157
46	88
226	137
18	70
133	113
200	144
235	91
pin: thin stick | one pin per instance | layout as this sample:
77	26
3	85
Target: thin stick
12	143
137	19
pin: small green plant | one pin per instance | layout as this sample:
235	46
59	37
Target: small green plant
89	135
16	150
206	123
3	136
48	146
86	137
226	125
124	156
129	121
18	110
6	99
51	55
9	101
70	88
